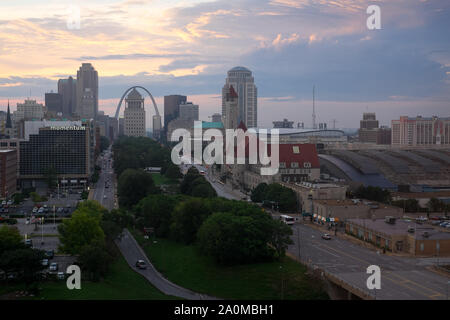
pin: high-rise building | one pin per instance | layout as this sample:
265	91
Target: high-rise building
172	108
283	124
156	127
67	88
8	172
29	110
188	111
368	128
216	117
134	115
420	131
63	147
231	100
244	84
53	103
87	92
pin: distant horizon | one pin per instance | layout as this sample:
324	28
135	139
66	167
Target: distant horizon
174	47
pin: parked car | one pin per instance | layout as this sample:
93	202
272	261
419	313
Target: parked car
60	275
140	264
53	266
326	236
35	209
45	262
49	254
10	202
29	243
3	202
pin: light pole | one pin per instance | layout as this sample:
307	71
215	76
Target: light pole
42	230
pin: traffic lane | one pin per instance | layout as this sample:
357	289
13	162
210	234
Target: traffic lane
338	256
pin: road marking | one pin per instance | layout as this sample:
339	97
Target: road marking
415	283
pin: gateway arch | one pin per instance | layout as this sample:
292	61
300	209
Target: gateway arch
153	101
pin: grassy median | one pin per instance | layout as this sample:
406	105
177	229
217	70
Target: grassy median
186	267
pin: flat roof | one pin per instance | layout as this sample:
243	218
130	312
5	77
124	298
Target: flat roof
6	150
400	227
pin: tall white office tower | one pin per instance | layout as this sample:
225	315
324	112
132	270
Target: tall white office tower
134	115
87	92
244	84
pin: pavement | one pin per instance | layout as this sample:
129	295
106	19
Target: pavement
133	252
402	278
106	196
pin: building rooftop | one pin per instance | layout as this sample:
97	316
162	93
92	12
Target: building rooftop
239	68
401	227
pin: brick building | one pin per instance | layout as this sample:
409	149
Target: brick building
8	172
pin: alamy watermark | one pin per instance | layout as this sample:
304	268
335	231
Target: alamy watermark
73	17
256	150
374	20
74	280
374	280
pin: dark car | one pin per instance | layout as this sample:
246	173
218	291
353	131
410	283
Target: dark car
49	254
29	243
140	264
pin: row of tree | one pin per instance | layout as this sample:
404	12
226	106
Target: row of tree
275	195
232	232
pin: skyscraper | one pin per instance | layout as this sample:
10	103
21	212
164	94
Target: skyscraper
188	111
87	92
231	108
134	115
53	103
172	108
244	84
67	88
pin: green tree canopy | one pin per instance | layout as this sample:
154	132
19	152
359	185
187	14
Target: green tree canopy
135	185
10	239
187	218
82	229
258	194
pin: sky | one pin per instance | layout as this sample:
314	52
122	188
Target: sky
187	46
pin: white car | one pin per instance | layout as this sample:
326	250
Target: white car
53	266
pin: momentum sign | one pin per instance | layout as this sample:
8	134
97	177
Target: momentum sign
68	128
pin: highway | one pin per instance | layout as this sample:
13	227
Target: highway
402	278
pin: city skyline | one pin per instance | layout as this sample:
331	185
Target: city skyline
187	48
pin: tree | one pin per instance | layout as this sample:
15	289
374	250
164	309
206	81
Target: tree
25	261
285	198
258	194
173	172
187	218
196	185
104	143
135	185
236	238
281	237
10	239
436	205
80	230
95	260
156	212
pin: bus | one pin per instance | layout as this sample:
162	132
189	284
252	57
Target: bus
287	219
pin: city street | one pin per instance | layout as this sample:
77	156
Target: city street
105	196
401	277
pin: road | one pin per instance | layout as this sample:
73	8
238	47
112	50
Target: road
222	190
133	252
106	196
402	278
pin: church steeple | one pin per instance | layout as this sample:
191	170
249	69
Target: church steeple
8	118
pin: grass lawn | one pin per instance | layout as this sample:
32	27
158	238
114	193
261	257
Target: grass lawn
159	179
185	266
121	283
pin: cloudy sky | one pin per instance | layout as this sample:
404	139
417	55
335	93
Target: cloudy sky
187	46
